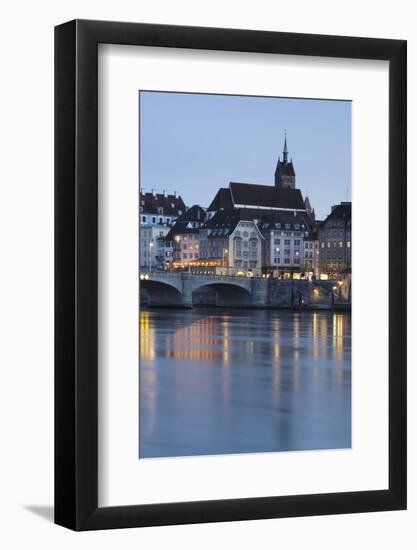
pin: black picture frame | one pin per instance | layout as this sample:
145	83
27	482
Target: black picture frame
76	272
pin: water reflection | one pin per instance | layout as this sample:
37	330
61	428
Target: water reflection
215	381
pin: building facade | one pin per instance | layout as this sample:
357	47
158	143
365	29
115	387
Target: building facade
311	254
182	241
181	245
335	240
157	212
151	254
283	250
232	242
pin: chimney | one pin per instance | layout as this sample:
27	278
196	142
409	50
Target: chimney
165	193
176	194
154	192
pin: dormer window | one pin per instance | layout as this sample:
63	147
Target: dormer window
160	210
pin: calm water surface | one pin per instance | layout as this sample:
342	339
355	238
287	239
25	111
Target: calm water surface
215	381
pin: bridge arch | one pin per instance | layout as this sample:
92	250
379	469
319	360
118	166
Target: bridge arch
222	294
158	293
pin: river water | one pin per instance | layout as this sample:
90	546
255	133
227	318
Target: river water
216	381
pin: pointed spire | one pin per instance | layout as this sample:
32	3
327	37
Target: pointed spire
285	150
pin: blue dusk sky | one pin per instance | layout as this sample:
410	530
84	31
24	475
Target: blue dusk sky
196	143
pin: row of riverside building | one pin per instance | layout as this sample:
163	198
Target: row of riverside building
248	229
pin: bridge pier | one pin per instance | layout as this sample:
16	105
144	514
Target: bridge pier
186	292
259	292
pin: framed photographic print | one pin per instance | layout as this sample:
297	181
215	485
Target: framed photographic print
230	275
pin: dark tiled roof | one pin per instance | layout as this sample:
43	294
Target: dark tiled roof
266	196
194	214
224	222
180	228
341	211
285	168
172	205
279	219
222	200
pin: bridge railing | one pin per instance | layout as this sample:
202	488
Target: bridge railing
196	275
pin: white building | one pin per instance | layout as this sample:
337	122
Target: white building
231	242
284	234
157	213
151	254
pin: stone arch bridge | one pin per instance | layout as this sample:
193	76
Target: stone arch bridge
164	288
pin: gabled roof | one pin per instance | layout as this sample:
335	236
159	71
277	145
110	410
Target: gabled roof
222	200
266	196
194	214
172	205
180	228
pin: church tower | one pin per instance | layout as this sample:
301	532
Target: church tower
284	173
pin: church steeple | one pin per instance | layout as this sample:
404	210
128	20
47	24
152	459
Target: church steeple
285	150
284	173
